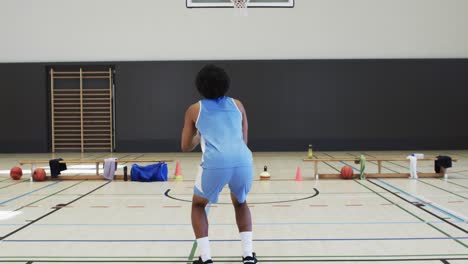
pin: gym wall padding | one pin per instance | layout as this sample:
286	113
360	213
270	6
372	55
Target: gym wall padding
349	104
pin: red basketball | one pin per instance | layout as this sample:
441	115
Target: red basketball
347	172
16	173
39	174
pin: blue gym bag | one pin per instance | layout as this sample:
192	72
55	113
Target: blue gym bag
150	173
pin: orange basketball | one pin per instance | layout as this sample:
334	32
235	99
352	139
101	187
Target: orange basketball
39	174
347	172
16	173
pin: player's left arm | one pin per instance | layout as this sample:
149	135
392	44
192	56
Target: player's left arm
245	123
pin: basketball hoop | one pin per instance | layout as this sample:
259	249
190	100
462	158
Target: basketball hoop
240	6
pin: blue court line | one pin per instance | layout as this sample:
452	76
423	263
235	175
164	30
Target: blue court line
421	201
229	240
257	224
26	194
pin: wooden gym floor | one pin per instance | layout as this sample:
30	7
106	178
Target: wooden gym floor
319	221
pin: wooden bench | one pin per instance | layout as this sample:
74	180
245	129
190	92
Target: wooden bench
379	173
97	162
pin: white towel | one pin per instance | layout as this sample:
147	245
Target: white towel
413	166
110	165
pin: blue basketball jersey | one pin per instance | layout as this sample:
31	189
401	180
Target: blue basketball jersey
220	126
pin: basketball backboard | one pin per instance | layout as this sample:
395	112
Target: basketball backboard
228	3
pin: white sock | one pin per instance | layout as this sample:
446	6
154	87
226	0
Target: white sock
204	248
246	239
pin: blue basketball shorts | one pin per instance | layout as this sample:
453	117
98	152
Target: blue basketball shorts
210	182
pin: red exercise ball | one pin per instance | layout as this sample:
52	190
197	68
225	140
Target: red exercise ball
39	174
347	172
16	173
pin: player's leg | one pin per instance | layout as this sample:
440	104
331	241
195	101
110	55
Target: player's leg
199	218
208	184
200	228
243	216
240	185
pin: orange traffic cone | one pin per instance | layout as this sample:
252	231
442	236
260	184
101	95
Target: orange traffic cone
298	174
178	172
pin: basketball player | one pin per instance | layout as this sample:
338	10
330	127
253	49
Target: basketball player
219	124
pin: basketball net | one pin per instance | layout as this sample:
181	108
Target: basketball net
240	7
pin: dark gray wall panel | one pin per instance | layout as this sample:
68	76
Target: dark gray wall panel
23	108
333	104
151	99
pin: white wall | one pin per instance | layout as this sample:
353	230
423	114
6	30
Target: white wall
102	30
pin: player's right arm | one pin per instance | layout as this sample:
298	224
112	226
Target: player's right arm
190	138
